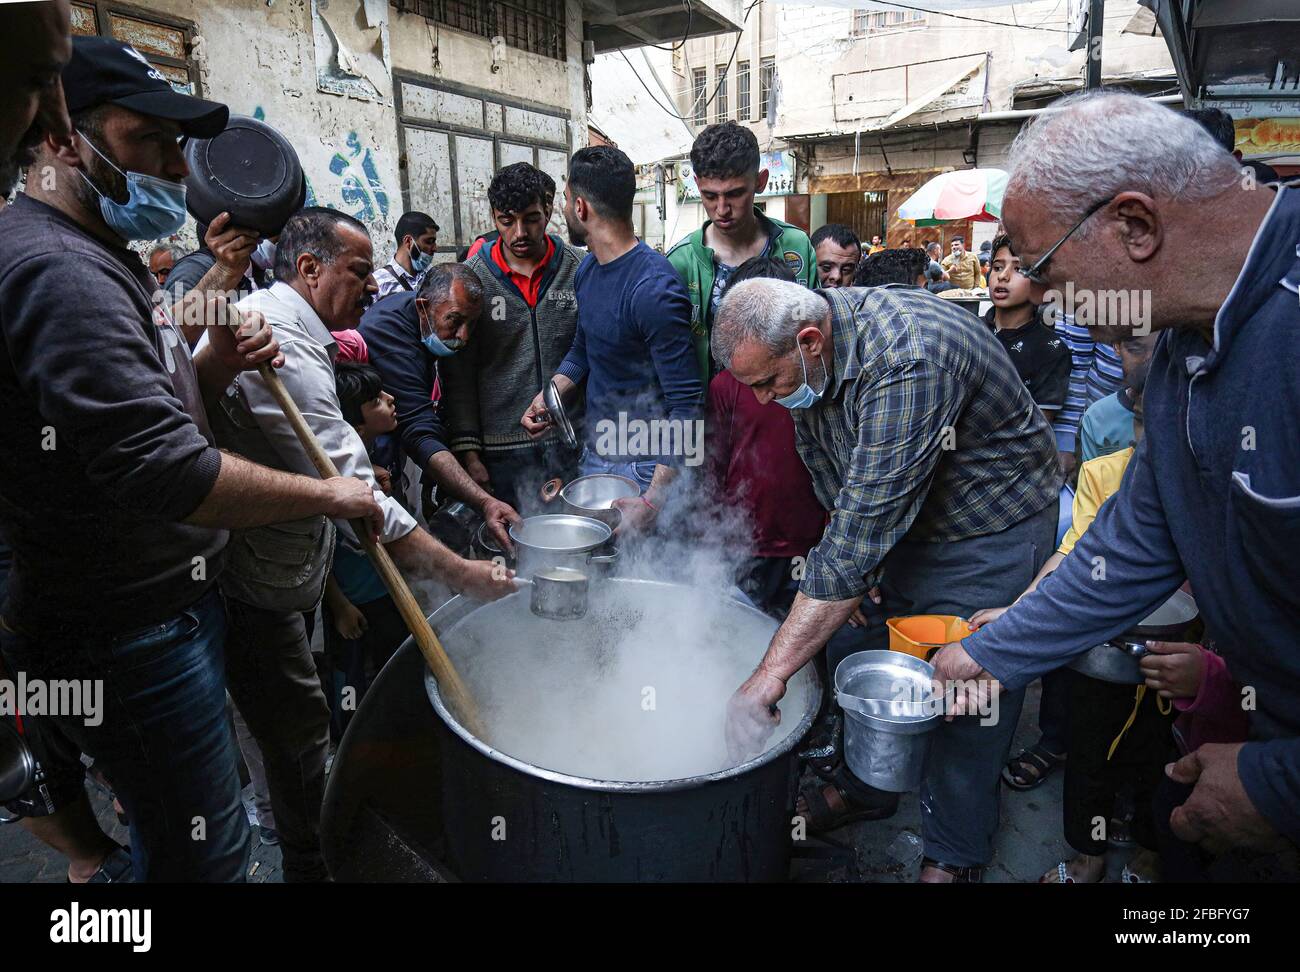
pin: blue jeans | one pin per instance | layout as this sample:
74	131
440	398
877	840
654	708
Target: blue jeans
163	739
639	472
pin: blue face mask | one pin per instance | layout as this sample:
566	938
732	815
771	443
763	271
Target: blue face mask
420	260
804	396
435	344
154	208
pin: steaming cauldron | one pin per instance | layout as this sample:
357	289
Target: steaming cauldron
414	796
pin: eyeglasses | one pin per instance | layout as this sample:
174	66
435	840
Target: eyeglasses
1035	273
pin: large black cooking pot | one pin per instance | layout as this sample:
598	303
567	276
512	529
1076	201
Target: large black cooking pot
248	170
414	796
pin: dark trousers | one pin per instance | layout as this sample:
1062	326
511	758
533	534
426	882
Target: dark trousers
274	683
1053	711
1098	710
518	474
959	797
163	740
352	664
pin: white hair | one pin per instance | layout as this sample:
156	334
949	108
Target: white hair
1092	146
769	311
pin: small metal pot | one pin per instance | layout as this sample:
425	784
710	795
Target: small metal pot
1119	660
17	767
558	594
593	496
561	540
889	712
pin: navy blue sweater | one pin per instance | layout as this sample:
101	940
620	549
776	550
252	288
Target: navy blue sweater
1213	496
392	332
634	346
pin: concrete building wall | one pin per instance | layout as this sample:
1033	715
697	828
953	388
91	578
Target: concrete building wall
818	43
321	71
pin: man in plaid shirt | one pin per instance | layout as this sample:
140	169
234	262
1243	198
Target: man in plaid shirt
943	479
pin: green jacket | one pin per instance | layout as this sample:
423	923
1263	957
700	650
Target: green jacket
693	262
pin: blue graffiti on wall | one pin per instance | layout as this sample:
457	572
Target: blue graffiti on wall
361	190
364	191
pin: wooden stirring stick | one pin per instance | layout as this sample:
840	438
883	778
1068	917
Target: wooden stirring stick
449	681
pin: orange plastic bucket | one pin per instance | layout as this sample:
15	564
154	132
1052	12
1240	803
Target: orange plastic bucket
924	634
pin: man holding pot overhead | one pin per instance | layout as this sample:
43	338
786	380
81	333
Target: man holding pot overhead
941	476
114	496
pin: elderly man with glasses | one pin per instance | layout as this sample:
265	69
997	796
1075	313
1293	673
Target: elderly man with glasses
1111	191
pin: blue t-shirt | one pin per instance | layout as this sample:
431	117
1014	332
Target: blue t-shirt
1107	426
634	347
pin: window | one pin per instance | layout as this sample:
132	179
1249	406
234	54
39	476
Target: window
536	26
868	21
165	42
720	99
699	81
766	78
742	90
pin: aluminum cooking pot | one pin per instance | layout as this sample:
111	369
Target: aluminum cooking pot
593	496
1119	660
889	712
17	767
561	540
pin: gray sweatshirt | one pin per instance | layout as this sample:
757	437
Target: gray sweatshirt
104	445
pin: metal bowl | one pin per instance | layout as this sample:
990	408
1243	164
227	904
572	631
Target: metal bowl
1119	660
594	496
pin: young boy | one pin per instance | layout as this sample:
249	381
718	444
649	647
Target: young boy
1107	424
728	172
362	625
1041	357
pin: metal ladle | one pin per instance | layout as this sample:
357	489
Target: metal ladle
558	593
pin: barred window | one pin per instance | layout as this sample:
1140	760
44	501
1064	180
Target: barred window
722	93
536	26
742	90
699	81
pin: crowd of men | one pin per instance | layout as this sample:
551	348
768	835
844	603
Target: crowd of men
895	454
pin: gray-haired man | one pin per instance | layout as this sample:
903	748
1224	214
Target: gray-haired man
1212	495
324	277
407	335
942	477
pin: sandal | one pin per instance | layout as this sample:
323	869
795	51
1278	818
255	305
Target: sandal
973	874
1030	768
822	816
1063	876
824	744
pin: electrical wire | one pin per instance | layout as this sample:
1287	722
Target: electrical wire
722	79
690	13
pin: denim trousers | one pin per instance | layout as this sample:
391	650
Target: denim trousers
163	740
959	795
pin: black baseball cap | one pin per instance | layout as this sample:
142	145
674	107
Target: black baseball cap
108	71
